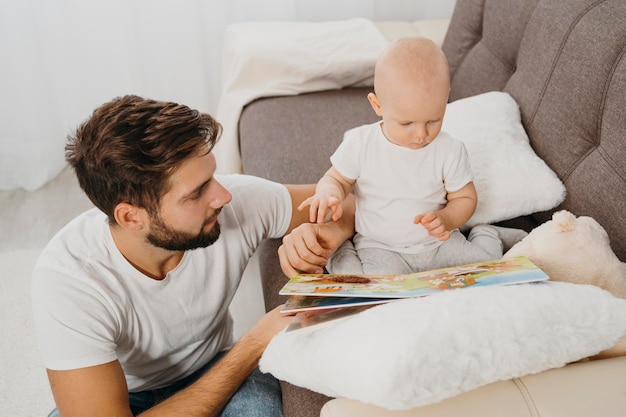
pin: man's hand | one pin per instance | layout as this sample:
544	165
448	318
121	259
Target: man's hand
433	224
308	247
268	326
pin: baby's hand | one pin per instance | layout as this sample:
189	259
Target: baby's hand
433	225
323	208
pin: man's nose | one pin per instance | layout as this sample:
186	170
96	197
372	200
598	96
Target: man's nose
220	195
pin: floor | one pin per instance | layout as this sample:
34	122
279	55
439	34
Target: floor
27	221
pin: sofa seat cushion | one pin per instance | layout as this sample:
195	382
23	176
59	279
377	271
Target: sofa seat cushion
571	391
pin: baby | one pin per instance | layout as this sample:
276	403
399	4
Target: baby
413	183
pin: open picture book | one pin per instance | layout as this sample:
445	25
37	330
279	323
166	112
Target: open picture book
326	291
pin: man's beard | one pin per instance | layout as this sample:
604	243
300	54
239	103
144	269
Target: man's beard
165	237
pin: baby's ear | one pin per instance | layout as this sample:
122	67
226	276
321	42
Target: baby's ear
373	99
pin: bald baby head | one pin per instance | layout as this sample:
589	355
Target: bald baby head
414	61
411	88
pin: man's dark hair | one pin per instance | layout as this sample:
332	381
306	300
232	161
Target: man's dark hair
129	147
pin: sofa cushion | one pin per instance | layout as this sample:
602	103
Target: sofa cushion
510	179
419	351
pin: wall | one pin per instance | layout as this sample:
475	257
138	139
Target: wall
62	58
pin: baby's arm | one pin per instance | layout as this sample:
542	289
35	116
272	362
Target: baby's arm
460	207
330	191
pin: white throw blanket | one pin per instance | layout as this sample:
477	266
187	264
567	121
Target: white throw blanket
263	59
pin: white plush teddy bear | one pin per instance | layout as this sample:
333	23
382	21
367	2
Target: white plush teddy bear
576	250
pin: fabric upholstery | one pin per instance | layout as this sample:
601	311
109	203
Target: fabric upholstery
290	139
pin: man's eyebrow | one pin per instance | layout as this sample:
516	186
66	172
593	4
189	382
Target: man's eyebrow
196	190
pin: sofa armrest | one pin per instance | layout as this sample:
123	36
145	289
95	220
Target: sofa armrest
582	389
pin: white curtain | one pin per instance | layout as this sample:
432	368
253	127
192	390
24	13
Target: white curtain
59	59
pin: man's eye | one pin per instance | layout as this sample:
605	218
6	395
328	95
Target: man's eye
197	194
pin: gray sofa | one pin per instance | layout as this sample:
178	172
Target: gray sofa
564	63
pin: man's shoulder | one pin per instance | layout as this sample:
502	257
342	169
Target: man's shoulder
87	225
76	241
257	203
247	186
241	180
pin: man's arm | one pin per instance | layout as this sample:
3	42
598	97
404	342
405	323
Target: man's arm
298	194
307	246
101	390
209	395
96	391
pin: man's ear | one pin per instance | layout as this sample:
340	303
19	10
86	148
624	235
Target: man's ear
130	217
373	99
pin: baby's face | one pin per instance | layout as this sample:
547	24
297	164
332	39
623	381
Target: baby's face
413	114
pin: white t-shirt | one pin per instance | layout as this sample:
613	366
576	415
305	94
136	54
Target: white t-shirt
395	183
91	306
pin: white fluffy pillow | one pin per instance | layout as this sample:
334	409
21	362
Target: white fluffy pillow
419	351
510	179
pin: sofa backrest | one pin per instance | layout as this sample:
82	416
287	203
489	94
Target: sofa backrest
564	63
290	139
